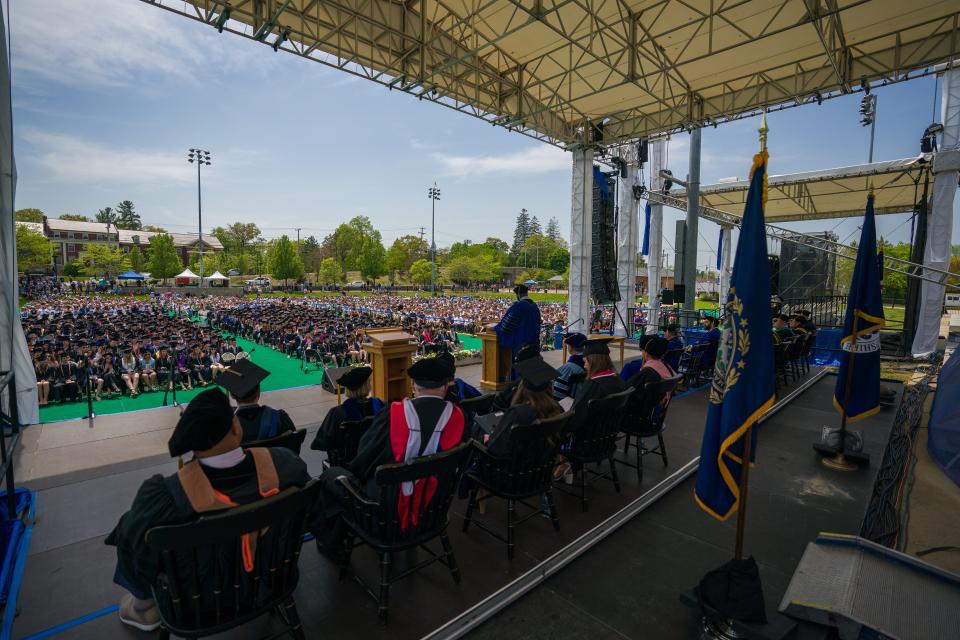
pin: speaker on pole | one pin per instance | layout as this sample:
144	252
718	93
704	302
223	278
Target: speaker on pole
603	263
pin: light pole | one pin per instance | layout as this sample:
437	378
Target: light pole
868	112
201	158
434	194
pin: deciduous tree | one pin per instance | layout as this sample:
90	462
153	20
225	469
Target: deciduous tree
164	261
283	260
28	215
420	272
103	260
34	250
329	272
75	217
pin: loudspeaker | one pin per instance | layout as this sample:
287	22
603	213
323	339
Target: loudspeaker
773	265
603	267
643	151
679	292
666	296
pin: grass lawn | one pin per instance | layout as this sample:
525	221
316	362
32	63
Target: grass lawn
539	297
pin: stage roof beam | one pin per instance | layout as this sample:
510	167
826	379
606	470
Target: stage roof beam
549	67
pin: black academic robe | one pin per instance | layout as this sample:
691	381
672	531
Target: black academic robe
499	444
351	409
161	501
592	389
250	417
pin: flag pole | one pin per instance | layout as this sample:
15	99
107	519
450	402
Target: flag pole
748	436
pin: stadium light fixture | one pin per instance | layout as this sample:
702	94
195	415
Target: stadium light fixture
434	194
201	157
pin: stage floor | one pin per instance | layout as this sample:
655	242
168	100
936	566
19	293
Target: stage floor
644	566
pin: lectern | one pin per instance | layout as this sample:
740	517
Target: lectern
497	361
391	351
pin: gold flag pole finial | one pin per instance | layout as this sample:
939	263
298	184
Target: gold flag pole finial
763	132
870	189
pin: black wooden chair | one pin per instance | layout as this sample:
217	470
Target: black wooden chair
345	441
644	418
202	587
481	405
596	441
690	366
781	362
292	440
377	523
528	472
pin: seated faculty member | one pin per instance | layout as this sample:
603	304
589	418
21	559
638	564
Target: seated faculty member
259	422
357	406
220	475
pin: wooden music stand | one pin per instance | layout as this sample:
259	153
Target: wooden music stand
391	353
497	361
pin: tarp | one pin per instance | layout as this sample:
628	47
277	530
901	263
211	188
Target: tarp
943	441
130	275
188	274
13	344
217	276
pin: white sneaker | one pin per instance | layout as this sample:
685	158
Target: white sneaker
145	620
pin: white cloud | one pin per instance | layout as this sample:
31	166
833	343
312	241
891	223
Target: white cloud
72	159
114	42
542	158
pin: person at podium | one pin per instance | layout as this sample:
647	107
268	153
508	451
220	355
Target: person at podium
520	325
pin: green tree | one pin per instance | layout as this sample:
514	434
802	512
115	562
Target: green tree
107	215
559	260
420	272
368	255
955	250
127	217
498	245
138	262
103	260
310	254
72	269
154	228
34	250
164	260
283	260
329	272
535	228
404	251
75	217
521	232
237	240
461	270
553	229
28	215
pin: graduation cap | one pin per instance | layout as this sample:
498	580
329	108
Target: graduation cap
536	373
597	346
431	373
205	422
656	346
575	340
242	379
355	378
528	351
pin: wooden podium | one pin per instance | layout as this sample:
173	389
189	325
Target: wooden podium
391	351
497	361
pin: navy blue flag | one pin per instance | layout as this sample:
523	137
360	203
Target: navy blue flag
861	331
646	230
743	380
719	248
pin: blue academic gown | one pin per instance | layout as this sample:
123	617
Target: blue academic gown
519	326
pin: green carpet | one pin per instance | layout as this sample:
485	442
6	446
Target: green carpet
470	342
284	374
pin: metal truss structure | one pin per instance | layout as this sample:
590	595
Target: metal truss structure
551	68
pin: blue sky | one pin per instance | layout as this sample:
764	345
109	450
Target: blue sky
107	103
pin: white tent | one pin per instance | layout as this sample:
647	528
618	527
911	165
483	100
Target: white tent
216	276
188	274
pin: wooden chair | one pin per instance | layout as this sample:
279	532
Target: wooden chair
481	405
292	440
644	418
227	358
377	524
202	588
596	441
690	364
346	441
528	472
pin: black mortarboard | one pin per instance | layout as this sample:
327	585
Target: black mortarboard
355	378
656	346
431	373
205	422
575	339
536	373
673	328
527	351
242	378
642	342
596	346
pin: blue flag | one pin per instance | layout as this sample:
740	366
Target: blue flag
744	378
861	327
646	230
719	249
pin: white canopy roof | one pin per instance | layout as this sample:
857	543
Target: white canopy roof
826	193
217	276
188	274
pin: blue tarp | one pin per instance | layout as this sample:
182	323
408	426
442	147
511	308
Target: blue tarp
944	428
826	349
130	275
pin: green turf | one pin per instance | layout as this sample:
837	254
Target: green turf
284	374
539	297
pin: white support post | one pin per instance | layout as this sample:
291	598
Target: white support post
940	222
627	236
658	161
581	240
726	264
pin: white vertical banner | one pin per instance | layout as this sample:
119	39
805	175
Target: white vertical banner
658	161
726	265
627	246
581	240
